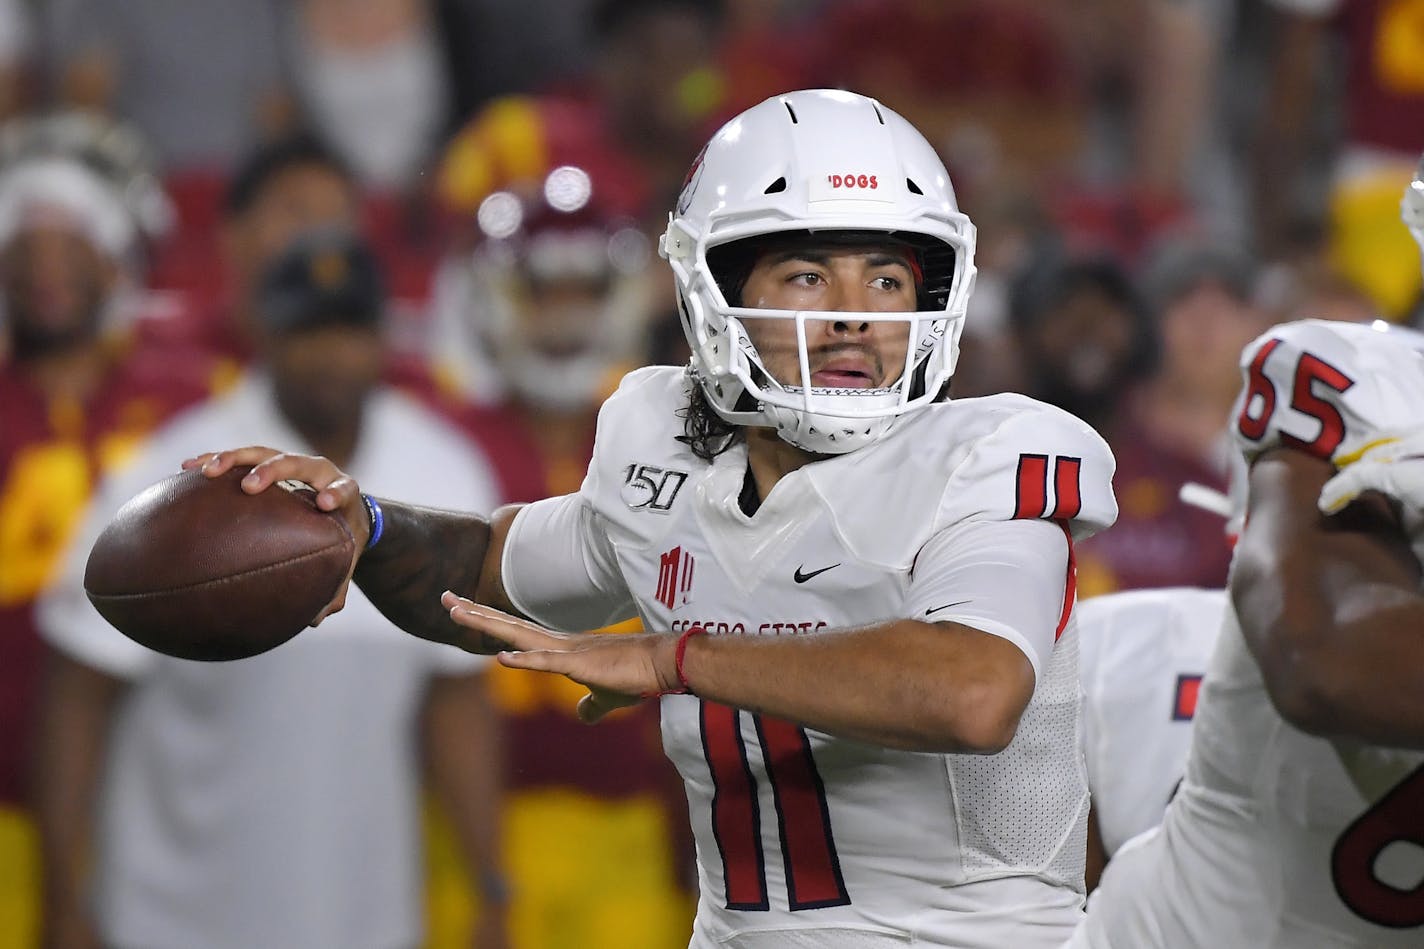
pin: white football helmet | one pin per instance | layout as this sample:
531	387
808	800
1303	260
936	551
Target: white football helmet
565	353
818	161
1411	208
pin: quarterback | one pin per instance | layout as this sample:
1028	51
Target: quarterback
1298	823
859	593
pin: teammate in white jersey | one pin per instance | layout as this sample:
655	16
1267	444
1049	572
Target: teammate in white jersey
861	594
1143	654
1299	821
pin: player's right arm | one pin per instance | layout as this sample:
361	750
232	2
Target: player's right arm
422	551
1330	606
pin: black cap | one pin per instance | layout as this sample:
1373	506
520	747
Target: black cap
323	279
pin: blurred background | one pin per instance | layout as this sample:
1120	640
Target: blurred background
1155	182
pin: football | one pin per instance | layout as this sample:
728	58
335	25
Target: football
195	568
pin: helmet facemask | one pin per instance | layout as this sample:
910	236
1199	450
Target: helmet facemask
828	418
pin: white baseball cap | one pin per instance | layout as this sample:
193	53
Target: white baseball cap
63	192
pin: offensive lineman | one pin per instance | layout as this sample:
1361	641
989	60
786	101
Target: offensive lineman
1142	655
817	537
1299	821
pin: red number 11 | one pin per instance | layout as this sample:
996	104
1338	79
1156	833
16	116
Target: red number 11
808	849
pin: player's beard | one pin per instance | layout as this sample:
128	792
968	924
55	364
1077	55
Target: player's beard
1089	384
34	337
322	413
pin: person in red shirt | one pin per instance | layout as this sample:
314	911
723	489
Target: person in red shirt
74	402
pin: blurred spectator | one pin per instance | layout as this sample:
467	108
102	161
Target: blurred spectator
555	304
74	404
1311	289
372	81
282	190
1014	235
1009	109
1172	71
497	48
200	78
113	150
1170	427
1084	334
756	59
552	305
16	55
116	158
1362	62
1098	111
654	92
271	802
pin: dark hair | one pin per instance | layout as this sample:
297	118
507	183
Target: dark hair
611	18
269	160
1047	281
705	432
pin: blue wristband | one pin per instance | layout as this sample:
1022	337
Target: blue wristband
378	519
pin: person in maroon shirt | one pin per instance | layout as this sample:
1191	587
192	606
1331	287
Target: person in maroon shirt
74	402
1157	376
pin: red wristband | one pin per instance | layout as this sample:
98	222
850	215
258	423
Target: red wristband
679	659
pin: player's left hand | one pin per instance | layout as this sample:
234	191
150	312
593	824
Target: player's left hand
1393	467
619	669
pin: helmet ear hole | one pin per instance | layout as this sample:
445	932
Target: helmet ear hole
776	187
913	188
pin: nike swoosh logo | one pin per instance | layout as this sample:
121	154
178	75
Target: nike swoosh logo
945	607
800	577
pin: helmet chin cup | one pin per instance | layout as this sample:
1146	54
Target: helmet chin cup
826	434
818	162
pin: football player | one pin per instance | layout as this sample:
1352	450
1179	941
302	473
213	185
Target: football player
860	594
1144	653
1142	656
1298	821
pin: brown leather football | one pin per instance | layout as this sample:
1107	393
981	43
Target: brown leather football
196	568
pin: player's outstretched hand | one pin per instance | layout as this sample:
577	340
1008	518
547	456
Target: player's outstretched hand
336	491
619	669
1393	466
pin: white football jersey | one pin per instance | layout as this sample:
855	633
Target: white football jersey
842	842
1142	657
1278	839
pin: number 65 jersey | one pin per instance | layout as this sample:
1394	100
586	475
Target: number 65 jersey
1278	839
962	512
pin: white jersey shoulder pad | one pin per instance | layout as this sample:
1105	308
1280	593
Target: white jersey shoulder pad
996	458
640	471
1329	389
